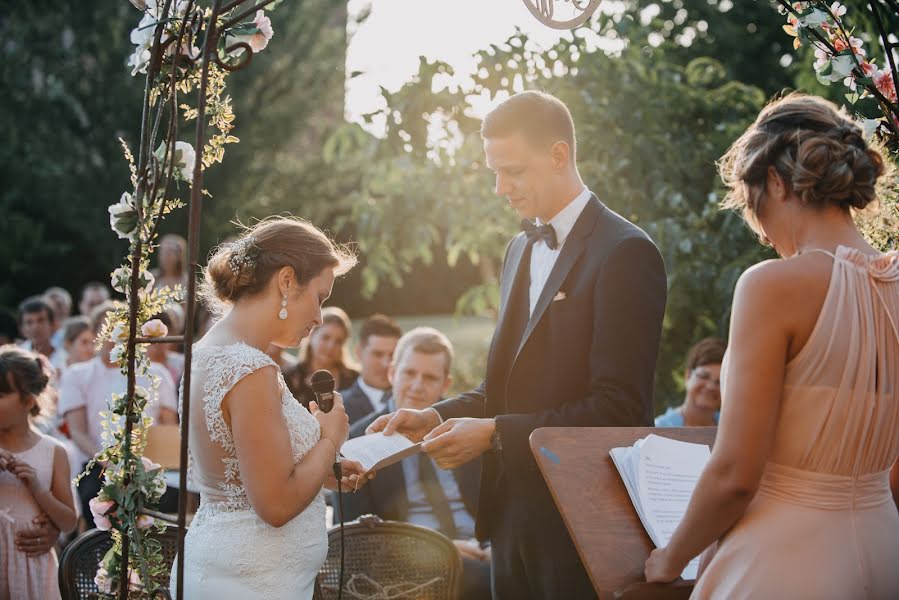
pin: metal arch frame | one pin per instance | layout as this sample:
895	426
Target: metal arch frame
150	182
543	11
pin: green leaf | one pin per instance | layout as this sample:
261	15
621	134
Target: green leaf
867	107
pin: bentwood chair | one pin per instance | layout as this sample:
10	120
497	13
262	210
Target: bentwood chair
81	559
390	559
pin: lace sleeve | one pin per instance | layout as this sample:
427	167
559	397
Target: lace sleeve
225	366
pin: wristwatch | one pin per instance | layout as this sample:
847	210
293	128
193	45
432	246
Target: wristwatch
496	442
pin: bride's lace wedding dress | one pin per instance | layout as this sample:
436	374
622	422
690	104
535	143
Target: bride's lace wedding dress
229	552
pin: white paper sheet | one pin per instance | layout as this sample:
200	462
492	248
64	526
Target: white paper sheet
376	451
660	475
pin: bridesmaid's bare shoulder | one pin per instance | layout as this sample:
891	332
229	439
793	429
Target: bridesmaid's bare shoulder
792	291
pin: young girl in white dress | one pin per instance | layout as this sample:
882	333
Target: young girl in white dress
34	477
259	458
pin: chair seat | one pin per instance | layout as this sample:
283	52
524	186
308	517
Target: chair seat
80	560
387	557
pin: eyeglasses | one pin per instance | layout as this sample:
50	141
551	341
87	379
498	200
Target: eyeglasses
706	377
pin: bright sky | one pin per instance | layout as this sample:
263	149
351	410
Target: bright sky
386	47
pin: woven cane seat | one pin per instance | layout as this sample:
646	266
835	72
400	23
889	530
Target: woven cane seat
387	559
81	559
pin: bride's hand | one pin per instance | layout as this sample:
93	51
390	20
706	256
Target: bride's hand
354	476
335	425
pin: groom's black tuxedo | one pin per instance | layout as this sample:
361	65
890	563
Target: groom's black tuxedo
585	358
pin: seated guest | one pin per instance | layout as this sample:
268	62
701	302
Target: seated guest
415	490
326	349
85	390
78	340
702	378
60	301
36	322
92	294
284	359
172	267
377	341
166	355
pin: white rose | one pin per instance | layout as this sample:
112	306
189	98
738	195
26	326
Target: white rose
120	278
119	333
144	521
123	217
116	354
102	581
185	159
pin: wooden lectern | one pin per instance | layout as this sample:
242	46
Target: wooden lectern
596	508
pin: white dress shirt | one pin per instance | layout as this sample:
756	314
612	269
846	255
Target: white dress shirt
542	258
374	395
91	384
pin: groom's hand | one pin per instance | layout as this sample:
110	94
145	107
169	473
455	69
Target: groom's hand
414	424
458	441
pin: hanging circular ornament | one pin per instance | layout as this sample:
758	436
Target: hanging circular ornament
562	14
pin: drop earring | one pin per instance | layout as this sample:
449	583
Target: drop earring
283	314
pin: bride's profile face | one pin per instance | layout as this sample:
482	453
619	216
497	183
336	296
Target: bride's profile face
304	308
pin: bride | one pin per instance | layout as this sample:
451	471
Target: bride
258	457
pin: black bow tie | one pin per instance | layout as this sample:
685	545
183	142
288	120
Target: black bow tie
540	232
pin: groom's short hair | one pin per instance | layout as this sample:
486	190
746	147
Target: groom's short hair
541	118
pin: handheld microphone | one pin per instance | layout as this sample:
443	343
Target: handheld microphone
323	388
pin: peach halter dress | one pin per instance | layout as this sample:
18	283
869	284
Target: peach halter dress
823	524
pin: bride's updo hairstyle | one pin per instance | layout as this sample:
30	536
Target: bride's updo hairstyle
819	152
244	267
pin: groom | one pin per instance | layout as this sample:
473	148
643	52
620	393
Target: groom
582	297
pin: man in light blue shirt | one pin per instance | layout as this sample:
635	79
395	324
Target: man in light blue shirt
416	490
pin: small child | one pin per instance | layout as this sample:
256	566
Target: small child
34	477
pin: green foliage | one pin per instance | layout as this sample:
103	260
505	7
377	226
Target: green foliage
650	124
67	98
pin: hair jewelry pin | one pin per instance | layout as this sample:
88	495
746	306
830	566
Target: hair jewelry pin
243	254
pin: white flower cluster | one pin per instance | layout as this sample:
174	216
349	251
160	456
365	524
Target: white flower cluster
142	35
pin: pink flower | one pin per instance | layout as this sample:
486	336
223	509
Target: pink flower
154	328
260	40
883	81
822	55
867	68
257	40
99	509
837	9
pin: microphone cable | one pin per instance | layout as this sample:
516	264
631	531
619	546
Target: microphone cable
338	474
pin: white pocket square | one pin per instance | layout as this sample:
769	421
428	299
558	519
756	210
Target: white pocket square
560	296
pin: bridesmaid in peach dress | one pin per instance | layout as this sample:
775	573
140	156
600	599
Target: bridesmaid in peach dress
797	492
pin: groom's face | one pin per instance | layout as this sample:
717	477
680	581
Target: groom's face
525	174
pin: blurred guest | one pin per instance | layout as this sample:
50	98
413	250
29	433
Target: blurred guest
172	269
9	329
326	349
61	302
85	391
167	355
92	294
285	360
78	340
377	341
415	490
36	322
702	377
